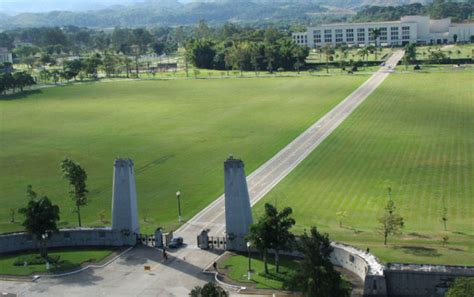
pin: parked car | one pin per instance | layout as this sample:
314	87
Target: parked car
175	243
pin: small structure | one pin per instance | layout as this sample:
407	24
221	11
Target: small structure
124	198
5	56
238	214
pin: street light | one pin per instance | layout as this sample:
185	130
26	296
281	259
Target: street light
178	196
249	273
44	252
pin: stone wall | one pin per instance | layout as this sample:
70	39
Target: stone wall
405	280
83	237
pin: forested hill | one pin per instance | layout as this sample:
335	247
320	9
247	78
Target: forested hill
458	11
171	12
184	12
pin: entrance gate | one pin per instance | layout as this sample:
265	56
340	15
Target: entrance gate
204	241
146	240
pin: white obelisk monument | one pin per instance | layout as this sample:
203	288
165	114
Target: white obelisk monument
238	214
124	197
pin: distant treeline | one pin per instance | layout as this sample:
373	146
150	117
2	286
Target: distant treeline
82	51
458	11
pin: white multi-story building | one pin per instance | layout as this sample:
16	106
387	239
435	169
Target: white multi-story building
410	29
5	56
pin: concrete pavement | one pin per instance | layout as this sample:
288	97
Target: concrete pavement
178	275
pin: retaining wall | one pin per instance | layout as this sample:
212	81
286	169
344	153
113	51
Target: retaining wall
405	280
82	237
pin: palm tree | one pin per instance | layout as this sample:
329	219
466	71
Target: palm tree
328	51
376	34
363	53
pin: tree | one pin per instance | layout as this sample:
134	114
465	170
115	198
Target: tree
444	217
41	218
316	275
27	54
208	290
270	56
444	239
23	79
260	237
272	231
280	223
410	54
91	64
72	69
341	216
77	177
202	53
462	287
436	57
328	51
256	56
12	215
364	53
391	223
375	35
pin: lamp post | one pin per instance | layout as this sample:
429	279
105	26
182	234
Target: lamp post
44	252
178	196
249	273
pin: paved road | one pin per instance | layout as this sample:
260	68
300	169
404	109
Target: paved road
179	274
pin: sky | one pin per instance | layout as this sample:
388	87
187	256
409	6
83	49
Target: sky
18	6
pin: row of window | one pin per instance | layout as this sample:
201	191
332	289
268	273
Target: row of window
383	30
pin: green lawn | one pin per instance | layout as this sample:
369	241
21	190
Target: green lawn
177	132
69	259
413	134
456	51
237	267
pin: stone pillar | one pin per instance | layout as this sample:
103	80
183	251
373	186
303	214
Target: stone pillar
158	238
124	198
238	214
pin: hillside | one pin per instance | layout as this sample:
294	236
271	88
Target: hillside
174	12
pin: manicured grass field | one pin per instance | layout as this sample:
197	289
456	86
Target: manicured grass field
177	132
236	268
69	259
414	134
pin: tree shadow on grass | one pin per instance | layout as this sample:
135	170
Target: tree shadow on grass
21	95
420	251
415	234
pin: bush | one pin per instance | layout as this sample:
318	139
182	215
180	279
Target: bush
35	260
417	67
462	287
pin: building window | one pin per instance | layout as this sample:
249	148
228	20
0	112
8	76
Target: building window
351	258
394	29
406	28
361	30
405	37
101	234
